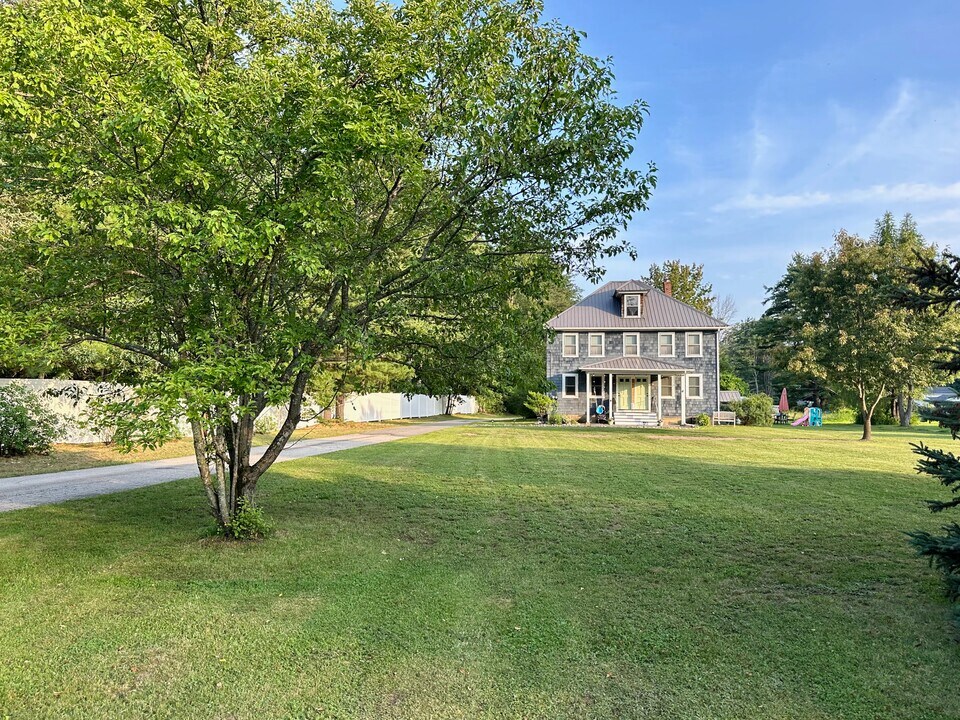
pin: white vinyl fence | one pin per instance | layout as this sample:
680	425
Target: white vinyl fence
395	406
72	405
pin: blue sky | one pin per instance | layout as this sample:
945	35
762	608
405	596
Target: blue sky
774	125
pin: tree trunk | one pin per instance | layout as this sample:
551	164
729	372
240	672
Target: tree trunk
906	407
867	412
227	448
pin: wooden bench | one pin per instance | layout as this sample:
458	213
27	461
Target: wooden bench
724	416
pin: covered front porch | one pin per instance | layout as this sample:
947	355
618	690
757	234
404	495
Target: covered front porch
635	390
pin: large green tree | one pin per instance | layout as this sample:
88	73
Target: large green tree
239	192
834	314
687	284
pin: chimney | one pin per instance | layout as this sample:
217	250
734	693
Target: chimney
668	288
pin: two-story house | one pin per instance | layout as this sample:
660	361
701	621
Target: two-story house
632	354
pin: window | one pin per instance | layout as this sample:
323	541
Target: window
631	344
694	344
631	306
570	386
596	385
595	348
665	344
694	386
571	345
666	386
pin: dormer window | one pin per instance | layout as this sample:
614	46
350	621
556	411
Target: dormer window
631	306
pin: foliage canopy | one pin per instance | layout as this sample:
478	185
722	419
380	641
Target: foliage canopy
241	193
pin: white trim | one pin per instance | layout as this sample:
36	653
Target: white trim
588	398
717	353
673	386
686	343
563	387
623	305
625	336
673	344
687	380
563	344
603	344
659	398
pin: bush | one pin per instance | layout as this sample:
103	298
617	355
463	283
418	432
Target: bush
703	420
841	415
555	418
26	424
540	404
729	381
249	523
754	409
490	402
266	425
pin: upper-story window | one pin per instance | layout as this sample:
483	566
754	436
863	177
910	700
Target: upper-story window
694	342
571	345
595	347
665	344
631	306
631	344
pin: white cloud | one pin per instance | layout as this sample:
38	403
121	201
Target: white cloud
770	204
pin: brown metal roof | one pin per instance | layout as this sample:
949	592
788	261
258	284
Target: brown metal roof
601	311
634	362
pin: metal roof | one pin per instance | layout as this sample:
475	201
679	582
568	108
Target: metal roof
730	396
633	286
635	362
601	311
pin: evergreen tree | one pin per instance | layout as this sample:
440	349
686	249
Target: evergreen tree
937	286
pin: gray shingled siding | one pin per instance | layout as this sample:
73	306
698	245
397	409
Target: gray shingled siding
557	366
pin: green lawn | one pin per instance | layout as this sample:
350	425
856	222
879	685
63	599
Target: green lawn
498	571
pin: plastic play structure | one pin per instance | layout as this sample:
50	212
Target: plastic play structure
812	417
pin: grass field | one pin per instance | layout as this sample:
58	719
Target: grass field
498	571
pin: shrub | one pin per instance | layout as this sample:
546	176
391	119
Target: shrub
555	418
265	425
841	415
729	381
540	404
248	523
703	420
26	424
490	402
754	409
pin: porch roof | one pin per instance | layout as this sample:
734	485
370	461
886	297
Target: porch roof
635	363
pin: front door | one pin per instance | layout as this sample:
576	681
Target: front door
633	393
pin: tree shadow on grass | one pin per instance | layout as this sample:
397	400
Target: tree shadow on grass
534	564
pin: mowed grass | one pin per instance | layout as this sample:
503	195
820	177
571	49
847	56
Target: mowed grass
498	571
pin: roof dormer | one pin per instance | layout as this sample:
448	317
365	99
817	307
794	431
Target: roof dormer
631	294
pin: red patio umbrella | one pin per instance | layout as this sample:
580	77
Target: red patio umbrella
784	404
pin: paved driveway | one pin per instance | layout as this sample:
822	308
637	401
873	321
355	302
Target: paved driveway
31	490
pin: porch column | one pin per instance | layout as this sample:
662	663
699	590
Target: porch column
659	401
588	398
611	399
683	399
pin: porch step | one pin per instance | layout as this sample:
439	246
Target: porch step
637	418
